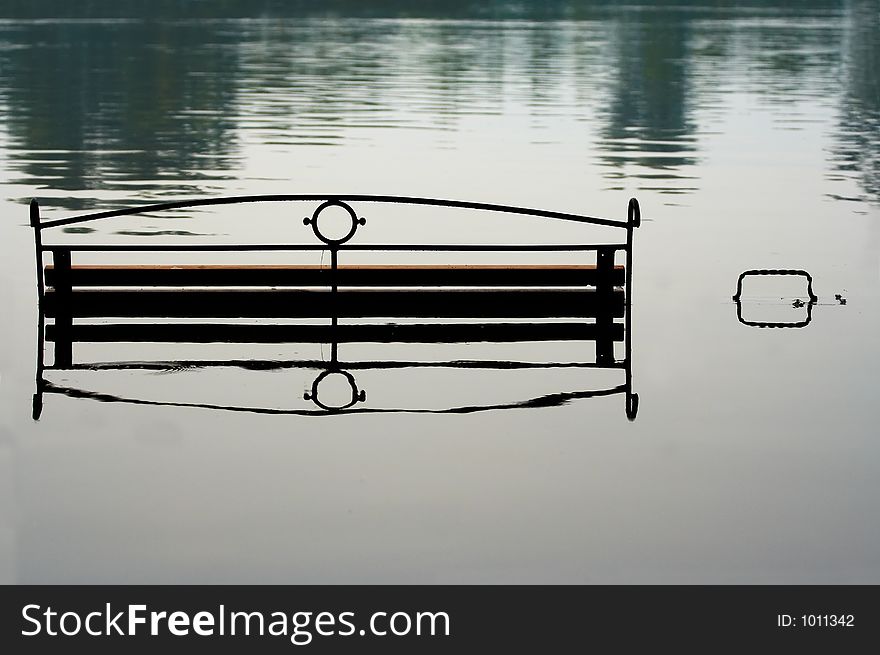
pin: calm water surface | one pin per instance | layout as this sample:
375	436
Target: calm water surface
752	139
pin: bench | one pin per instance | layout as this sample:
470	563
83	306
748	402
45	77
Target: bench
260	303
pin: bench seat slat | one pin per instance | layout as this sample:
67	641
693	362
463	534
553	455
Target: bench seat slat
263	333
346	276
287	303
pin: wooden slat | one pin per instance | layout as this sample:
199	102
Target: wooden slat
346	276
275	333
286	303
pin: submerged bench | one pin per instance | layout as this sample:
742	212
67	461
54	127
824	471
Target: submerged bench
193	303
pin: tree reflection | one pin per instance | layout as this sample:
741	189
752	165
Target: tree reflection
859	134
648	122
162	101
104	105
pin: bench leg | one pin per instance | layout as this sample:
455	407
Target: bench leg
604	318
64	313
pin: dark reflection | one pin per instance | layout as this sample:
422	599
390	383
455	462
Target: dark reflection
164	102
103	106
812	298
546	10
858	149
254	304
648	120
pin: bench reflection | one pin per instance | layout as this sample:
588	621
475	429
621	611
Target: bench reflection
580	307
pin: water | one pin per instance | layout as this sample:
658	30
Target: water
751	137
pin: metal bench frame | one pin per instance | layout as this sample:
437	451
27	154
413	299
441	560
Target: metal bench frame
61	302
813	299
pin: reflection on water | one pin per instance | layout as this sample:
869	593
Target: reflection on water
567	306
648	125
858	148
104	106
143	109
